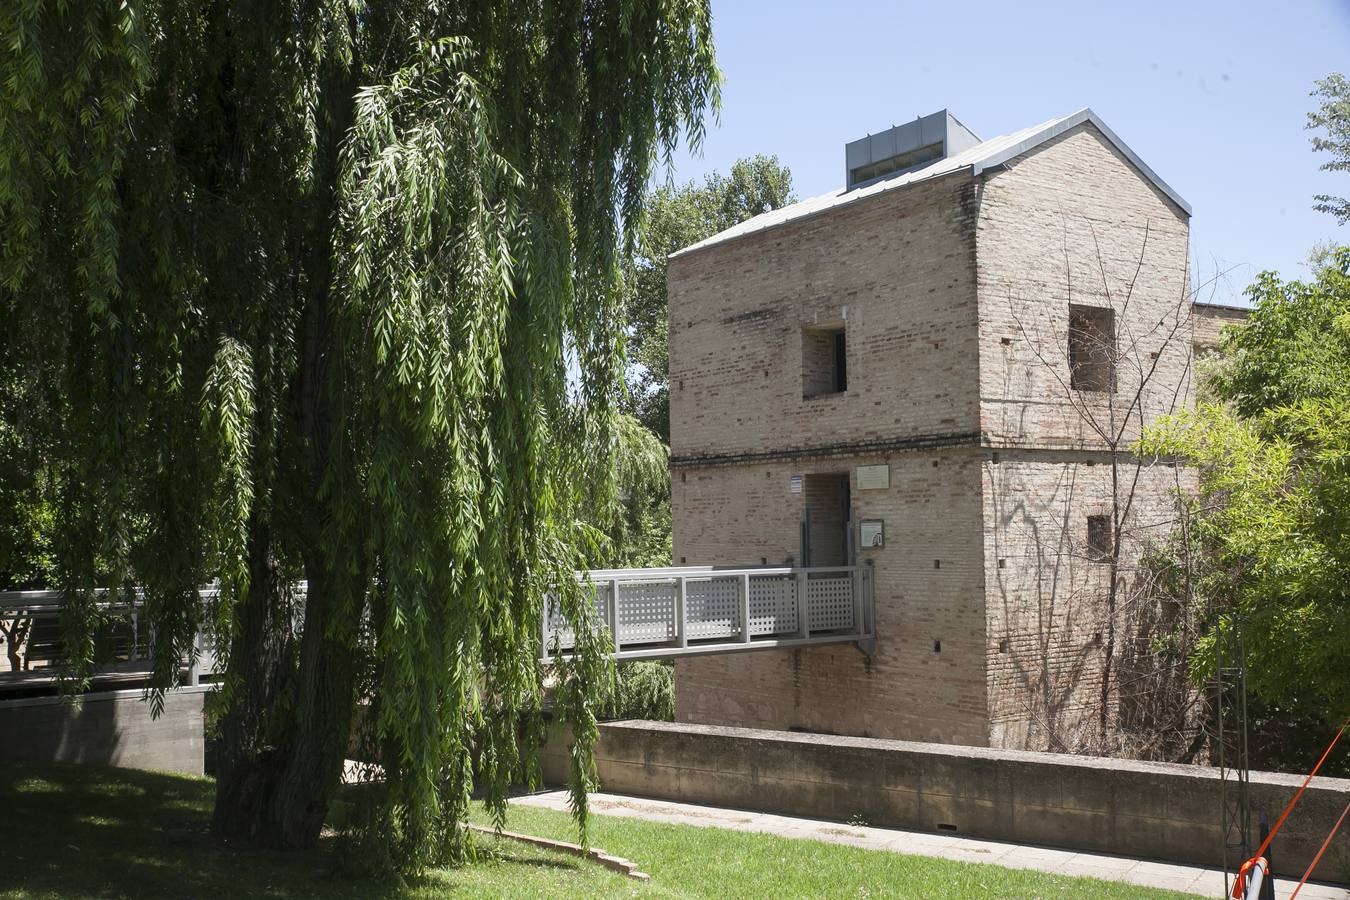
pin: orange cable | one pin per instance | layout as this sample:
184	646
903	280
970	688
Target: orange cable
1323	849
1238	882
1290	808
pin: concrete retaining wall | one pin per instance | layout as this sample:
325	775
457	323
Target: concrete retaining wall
112	728
1153	810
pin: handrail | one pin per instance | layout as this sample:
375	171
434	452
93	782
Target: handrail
687	610
709	571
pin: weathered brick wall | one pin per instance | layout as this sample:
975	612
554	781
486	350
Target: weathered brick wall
1072	222
939	385
1047	592
927	588
898	270
1208	321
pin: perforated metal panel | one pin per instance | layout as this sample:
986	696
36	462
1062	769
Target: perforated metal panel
773	604
649	613
829	602
557	623
712	607
646	611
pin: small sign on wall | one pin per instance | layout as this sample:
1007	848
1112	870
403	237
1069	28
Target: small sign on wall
795	484
872	533
873	478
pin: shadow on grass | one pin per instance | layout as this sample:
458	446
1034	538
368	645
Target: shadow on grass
91	831
98	832
539	862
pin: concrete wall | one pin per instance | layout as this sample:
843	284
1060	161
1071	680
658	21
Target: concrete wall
1151	810
113	728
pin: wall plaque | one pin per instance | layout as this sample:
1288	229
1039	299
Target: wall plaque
874	478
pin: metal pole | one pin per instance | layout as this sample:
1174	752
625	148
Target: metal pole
745	608
1267	891
856	578
803	612
194	662
681	613
543	627
614	613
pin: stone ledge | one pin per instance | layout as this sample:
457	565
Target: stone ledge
1151	810
613	863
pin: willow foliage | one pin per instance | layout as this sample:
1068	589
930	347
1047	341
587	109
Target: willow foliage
307	281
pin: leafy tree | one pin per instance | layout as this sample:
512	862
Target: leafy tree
639	526
643	689
676	218
1333	118
1272	518
305	283
27	507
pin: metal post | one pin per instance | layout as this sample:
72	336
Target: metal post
681	620
194	663
803	613
745	608
869	598
543	628
1267	888
855	578
614	612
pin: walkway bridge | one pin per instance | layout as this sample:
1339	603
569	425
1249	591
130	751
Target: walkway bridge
650	613
697	610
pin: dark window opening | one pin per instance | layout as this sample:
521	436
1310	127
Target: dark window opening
1092	348
824	362
1100	540
910	159
840	363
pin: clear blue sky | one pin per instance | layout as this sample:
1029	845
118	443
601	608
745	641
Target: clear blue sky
1212	95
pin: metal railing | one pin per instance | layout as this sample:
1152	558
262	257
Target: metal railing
648	613
32	640
691	610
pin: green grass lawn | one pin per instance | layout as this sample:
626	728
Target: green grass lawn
70	831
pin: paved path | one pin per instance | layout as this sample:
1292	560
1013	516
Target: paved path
1197	880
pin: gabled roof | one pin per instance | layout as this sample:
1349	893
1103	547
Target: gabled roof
977	159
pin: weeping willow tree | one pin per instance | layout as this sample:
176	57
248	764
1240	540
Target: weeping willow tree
323	294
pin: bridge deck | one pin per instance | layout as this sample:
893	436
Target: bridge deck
650	613
694	610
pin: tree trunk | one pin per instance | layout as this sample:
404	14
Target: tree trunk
325	694
262	661
286	734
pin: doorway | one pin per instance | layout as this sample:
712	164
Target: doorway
826	520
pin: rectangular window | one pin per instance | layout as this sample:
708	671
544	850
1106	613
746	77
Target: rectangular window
824	361
911	159
1100	540
1092	348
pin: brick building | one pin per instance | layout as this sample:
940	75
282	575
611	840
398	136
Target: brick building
949	357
